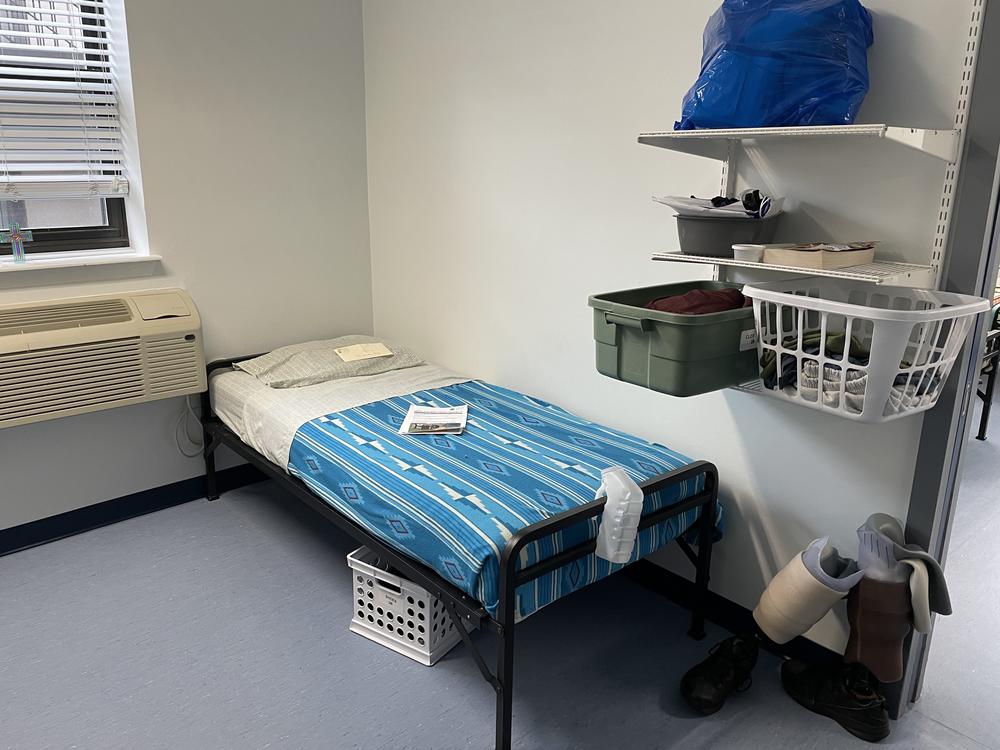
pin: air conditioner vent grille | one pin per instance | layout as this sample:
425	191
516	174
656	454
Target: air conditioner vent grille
173	365
68	315
69	378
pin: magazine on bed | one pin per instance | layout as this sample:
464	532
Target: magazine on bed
429	420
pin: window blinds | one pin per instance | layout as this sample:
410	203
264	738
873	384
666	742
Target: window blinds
60	135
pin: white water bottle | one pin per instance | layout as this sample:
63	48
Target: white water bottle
620	522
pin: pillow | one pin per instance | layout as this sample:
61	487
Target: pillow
318	362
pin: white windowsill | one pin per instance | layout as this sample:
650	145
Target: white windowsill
76	260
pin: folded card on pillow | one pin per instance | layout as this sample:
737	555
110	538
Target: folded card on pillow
359	352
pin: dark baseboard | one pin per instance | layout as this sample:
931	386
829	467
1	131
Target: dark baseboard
721	611
73	522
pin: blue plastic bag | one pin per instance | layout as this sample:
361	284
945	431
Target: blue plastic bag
771	63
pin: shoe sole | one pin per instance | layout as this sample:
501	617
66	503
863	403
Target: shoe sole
706	710
862	732
703	710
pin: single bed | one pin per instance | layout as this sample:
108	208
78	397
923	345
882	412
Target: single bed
497	522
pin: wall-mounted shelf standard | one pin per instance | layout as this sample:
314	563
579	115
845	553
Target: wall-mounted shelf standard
889	273
718	144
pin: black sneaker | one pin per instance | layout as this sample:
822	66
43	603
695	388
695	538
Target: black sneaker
844	692
707	685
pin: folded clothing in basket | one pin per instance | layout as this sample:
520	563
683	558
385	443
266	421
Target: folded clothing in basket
700	302
902	396
811	340
905	394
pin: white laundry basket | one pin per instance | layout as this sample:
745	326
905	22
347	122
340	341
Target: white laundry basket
862	352
398	613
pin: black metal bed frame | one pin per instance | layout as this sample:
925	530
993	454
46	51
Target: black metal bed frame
464	610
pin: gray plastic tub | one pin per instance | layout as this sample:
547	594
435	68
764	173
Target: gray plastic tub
706	235
681	355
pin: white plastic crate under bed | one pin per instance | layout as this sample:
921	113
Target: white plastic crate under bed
397	613
900	344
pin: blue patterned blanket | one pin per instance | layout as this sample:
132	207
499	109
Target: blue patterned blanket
453	501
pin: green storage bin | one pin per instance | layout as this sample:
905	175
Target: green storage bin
682	355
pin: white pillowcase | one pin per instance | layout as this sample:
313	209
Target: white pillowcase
317	362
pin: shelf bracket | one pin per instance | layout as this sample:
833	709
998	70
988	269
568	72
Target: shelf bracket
943	144
727	187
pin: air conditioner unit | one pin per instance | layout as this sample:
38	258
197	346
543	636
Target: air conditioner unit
80	355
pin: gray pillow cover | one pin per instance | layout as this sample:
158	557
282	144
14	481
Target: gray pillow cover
316	362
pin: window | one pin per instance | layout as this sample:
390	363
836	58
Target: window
62	172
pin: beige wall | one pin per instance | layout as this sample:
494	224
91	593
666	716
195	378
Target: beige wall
503	163
252	146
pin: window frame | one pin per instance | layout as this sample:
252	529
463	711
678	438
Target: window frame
112	236
80	239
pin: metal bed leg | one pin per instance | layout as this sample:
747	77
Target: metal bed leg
211	485
505	641
502	681
505	686
706	530
211	444
991	382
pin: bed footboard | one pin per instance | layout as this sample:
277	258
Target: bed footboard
511	577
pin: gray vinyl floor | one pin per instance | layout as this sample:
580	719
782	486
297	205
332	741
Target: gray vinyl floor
962	686
223	625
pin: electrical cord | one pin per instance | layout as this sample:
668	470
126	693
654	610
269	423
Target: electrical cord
184	424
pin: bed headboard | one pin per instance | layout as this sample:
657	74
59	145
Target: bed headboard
227	364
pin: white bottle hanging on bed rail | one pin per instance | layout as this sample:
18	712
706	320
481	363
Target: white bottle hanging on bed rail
620	521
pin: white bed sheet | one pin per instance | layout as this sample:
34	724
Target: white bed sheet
267	418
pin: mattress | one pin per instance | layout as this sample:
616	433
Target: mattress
453	501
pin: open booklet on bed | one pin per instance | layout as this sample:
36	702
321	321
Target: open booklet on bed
430	420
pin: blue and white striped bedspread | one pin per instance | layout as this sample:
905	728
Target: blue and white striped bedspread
453	501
